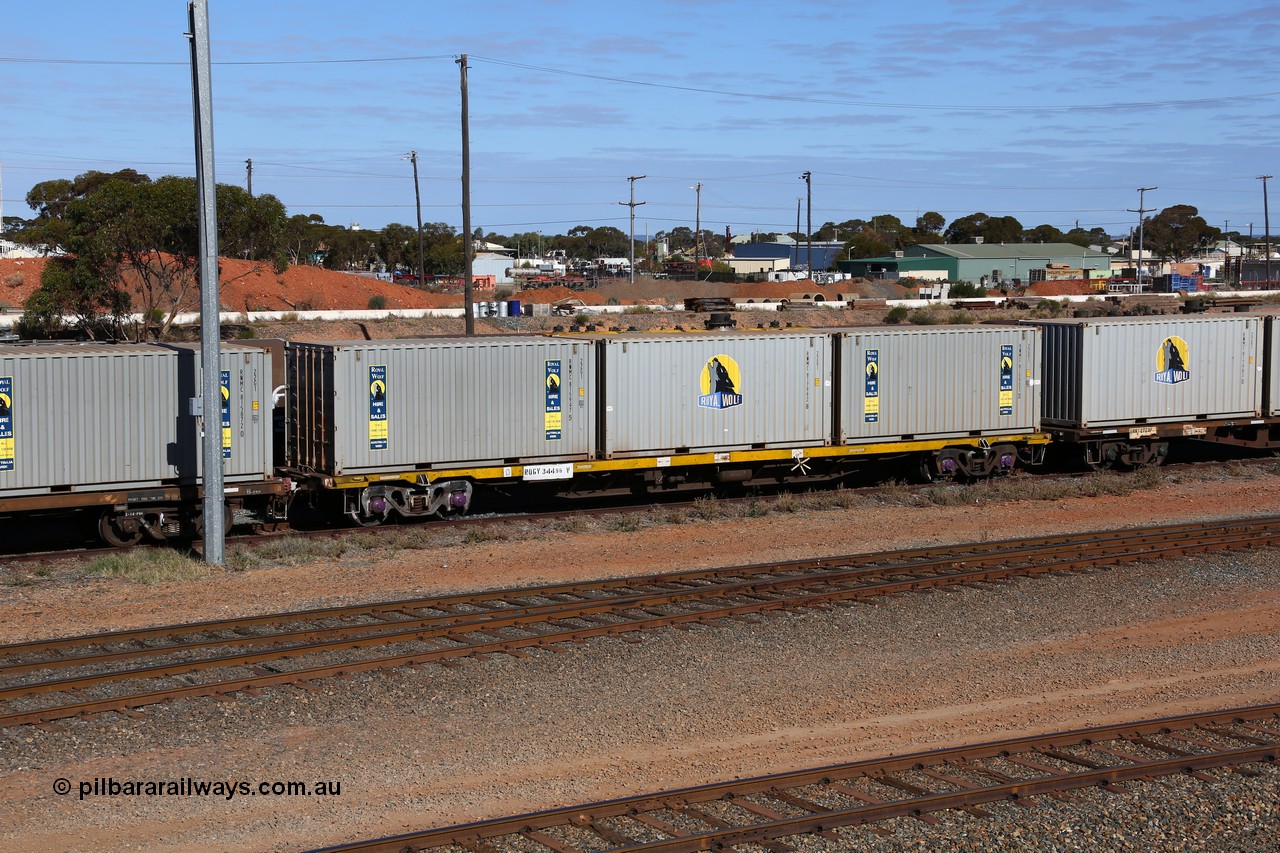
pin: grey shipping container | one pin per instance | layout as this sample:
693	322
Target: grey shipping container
1272	347
938	382
1112	371
383	406
669	394
95	417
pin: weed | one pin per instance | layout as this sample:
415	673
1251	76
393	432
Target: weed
707	508
149	565
377	302
477	535
626	523
572	524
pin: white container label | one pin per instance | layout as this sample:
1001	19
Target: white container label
557	471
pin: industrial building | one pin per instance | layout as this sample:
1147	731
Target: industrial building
978	263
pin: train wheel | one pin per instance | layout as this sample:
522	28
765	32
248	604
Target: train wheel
921	468
365	519
119	531
1106	457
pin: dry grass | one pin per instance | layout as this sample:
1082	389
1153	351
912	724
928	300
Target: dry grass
149	565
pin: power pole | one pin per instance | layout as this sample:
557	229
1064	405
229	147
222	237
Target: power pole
808	230
466	202
1266	225
210	412
248	166
633	204
798	200
697	229
1141	211
412	157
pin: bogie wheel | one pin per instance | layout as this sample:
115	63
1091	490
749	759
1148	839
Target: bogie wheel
921	468
1106	458
119	532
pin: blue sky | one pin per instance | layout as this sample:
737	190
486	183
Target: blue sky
1049	112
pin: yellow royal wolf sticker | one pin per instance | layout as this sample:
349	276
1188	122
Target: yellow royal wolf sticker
721	383
1172	361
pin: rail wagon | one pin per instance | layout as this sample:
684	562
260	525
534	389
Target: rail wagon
405	427
112	427
1120	387
966	398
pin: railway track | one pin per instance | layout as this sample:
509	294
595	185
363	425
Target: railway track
826	801
44	681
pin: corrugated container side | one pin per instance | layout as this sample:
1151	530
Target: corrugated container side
669	394
1103	372
1272	361
369	406
245	419
96	417
86	417
938	383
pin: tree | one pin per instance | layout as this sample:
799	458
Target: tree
1177	232
928	228
133	244
398	246
1093	237
1045	234
1001	229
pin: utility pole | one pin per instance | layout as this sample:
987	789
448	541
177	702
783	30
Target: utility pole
798	200
808	230
1266	225
210	402
412	156
633	204
697	229
1141	211
467	304
248	166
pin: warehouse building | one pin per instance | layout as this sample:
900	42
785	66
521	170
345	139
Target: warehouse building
978	263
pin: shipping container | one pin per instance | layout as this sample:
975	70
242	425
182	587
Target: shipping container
667	393
97	417
382	406
1113	371
938	382
1272	363
248	378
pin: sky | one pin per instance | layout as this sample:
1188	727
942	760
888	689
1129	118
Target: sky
1050	112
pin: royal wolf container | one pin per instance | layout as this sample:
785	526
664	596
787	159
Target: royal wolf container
1271	348
1112	371
386	406
95	417
667	393
938	382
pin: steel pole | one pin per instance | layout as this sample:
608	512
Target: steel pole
210	330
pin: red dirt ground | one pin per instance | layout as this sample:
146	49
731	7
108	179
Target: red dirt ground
256	286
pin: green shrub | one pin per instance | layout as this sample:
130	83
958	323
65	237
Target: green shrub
377	302
897	314
966	290
927	317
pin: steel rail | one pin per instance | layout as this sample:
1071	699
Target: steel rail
477	638
951	788
375	609
427	628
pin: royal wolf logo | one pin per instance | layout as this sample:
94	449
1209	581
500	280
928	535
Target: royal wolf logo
1171	361
721	384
